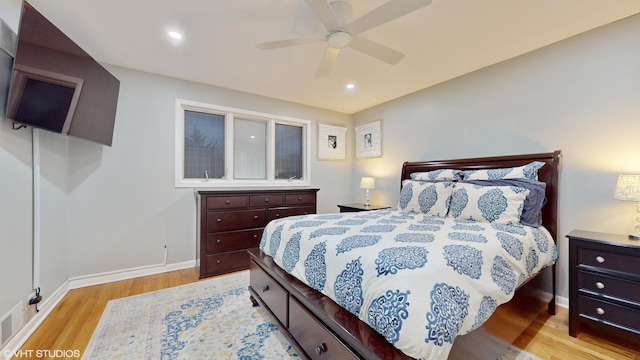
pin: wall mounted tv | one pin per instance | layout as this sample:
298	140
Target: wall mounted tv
57	86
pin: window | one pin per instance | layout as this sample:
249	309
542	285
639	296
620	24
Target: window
221	146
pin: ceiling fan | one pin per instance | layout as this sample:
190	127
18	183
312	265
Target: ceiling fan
335	15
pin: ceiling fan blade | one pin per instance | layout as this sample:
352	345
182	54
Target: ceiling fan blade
327	62
290	42
323	11
390	10
376	50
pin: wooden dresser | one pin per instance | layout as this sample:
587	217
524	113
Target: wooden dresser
231	222
604	283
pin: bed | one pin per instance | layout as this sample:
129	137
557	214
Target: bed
384	284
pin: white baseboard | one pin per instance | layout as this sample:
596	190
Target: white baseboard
111	276
50	302
562	301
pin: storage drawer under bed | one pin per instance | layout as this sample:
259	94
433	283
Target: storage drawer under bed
314	338
271	293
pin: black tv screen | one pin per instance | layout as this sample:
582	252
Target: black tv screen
57	86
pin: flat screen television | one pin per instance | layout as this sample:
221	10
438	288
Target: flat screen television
57	86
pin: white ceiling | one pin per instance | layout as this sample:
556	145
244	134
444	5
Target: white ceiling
441	41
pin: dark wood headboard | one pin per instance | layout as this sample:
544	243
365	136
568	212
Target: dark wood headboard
547	174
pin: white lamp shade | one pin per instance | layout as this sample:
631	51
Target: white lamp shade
628	188
367	183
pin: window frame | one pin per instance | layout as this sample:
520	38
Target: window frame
229	114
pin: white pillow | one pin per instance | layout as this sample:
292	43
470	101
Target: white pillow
438	175
493	204
529	171
425	197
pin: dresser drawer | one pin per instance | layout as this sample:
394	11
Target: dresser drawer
621	316
265	200
314	338
223	263
273	295
234	240
235	220
226	202
609	260
609	286
284	212
300	199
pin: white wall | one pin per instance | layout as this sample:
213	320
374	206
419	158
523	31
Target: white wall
579	96
15	195
123	206
15	217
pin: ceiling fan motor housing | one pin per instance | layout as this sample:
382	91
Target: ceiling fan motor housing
339	39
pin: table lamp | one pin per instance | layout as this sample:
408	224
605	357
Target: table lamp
628	188
367	183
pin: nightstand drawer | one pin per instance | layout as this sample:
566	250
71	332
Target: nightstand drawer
609	260
612	314
609	286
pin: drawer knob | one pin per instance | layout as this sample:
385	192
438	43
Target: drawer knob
266	200
299	198
600	311
227	202
255	236
321	349
217	261
599	259
255	217
265	288
218	241
277	215
219	220
599	285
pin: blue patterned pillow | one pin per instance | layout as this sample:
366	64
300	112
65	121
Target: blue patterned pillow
438	175
529	171
493	204
426	197
531	213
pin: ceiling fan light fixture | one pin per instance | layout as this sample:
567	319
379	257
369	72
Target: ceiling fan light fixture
339	39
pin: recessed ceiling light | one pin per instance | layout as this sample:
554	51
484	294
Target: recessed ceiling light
175	35
351	86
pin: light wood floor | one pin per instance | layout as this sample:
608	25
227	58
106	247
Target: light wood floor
71	324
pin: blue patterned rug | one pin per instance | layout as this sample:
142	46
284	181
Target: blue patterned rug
210	319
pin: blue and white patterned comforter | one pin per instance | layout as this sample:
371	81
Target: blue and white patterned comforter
418	280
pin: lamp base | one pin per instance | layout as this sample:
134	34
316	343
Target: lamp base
634	237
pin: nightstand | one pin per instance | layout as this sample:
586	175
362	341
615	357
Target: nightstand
360	207
604	283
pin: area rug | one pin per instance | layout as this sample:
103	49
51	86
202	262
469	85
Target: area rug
210	319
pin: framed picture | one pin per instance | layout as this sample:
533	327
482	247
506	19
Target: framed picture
332	142
369	140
